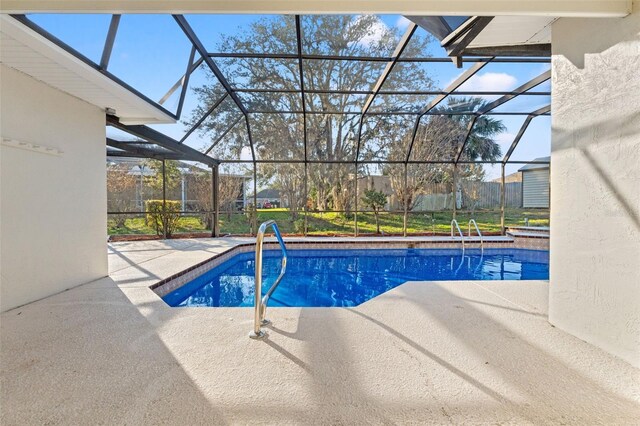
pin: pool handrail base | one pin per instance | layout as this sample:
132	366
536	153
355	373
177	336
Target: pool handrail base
260	303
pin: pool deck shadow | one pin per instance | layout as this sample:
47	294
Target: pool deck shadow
423	353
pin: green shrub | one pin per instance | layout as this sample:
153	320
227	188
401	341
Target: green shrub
345	216
376	200
298	226
163	221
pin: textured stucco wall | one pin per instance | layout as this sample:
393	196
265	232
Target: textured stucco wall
52	208
595	182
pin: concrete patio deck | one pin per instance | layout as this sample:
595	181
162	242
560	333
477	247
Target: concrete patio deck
112	352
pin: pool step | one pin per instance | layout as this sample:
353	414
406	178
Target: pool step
528	231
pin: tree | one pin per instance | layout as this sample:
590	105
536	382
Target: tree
481	144
229	190
333	139
375	200
121	189
172	176
436	140
200	187
330	137
439	138
289	180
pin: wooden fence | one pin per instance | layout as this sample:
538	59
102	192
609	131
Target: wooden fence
478	195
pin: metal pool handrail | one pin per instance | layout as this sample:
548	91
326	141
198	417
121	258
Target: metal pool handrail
455	222
260	304
472	221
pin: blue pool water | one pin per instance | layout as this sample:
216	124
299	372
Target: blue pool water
351	277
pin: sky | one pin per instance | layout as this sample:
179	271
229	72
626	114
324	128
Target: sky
151	53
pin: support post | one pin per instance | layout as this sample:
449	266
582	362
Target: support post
303	102
254	219
215	182
406	201
355	206
306	198
502	200
455	189
164	200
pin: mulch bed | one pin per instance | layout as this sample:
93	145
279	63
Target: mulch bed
135	237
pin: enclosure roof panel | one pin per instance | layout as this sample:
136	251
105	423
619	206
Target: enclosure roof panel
361	83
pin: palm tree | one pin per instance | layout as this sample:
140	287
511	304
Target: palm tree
481	143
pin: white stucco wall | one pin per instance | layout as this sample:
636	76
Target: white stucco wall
52	208
595	182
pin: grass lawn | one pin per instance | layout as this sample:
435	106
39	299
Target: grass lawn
330	223
136	225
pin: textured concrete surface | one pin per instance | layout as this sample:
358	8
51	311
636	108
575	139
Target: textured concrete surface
595	181
111	352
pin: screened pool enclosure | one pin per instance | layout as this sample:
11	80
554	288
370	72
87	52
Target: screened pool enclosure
329	124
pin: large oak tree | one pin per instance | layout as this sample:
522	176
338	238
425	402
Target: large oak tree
331	137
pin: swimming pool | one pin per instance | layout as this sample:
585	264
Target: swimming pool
326	278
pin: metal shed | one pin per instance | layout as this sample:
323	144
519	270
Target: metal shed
535	184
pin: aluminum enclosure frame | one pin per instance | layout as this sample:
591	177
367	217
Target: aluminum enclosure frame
454	43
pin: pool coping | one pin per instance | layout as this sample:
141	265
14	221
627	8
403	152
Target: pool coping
177	280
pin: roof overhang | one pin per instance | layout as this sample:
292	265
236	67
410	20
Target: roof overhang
558	8
492	35
514	30
23	49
